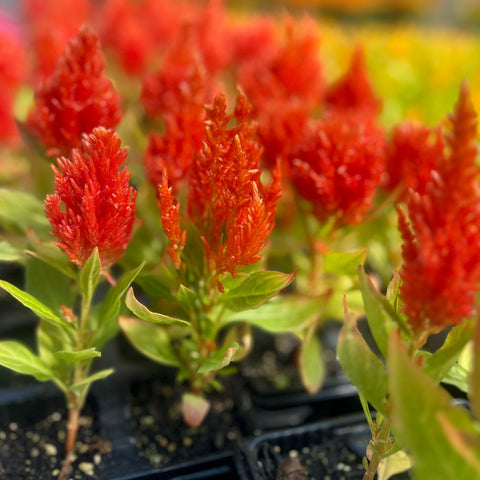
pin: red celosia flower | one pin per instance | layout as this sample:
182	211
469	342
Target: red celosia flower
52	27
412	154
98	204
170	223
354	90
254	40
338	166
173	152
294	70
13	69
233	212
441	235
76	99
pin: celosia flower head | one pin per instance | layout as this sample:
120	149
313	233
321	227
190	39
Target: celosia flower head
52	27
77	98
441	233
354	90
412	154
93	205
232	210
338	166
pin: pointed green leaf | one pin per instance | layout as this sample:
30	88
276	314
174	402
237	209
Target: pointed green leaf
255	290
281	314
78	355
364	369
19	358
381	316
421	411
219	359
150	339
458	376
33	304
105	324
80	386
141	311
344	263
439	363
90	275
186	298
474	381
311	364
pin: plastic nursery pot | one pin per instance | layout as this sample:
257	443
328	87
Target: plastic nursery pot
330	449
279	399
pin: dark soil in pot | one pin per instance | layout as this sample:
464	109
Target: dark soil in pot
161	435
32	432
328	450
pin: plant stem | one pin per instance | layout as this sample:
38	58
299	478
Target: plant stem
72	425
380	446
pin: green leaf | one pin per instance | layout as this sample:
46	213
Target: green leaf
8	253
474	381
311	365
193	254
52	338
81	386
21	211
426	421
19	358
186	298
90	275
397	463
77	356
344	263
381	316
106	325
49	285
141	311
363	368
457	376
219	359
150	339
35	305
439	363
281	314
255	290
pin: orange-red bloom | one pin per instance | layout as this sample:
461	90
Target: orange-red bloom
232	210
338	166
77	98
93	205
52	24
412	154
354	90
441	233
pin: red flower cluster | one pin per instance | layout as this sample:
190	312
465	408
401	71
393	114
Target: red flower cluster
13	70
177	94
338	166
354	90
98	204
77	98
135	31
412	154
52	26
284	88
441	233
232	210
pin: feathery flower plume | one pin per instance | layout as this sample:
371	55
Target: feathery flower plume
77	98
441	233
412	154
338	166
93	205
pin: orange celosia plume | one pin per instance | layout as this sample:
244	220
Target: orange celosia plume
93	205
77	98
441	233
